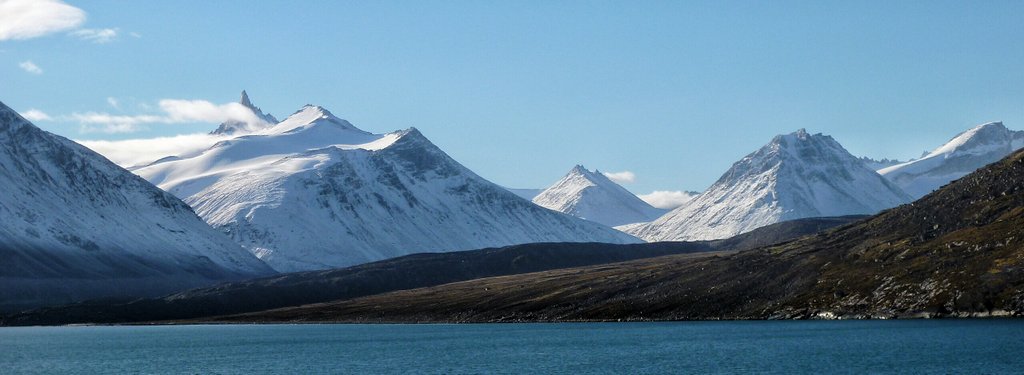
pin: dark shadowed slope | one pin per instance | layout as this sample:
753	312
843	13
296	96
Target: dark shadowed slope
412	271
74	226
956	252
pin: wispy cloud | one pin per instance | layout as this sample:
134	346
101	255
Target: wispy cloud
98	36
135	34
624	177
26	19
135	152
113	102
173	111
667	199
36	115
30	67
98	122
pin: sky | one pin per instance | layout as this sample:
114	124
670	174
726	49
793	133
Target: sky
666	94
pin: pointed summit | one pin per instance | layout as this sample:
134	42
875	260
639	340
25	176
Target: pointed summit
259	120
312	116
593	196
245	100
579	170
795	176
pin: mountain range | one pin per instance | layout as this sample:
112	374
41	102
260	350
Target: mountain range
956	252
315	192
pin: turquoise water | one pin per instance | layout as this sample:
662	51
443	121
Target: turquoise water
931	346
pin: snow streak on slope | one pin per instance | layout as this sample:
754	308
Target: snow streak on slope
795	176
592	196
315	192
965	153
74	226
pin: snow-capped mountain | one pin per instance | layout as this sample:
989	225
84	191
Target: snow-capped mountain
76	226
965	153
794	176
238	127
592	196
315	192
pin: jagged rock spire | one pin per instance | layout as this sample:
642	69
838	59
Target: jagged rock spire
245	100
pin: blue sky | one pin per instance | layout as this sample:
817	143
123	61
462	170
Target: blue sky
522	91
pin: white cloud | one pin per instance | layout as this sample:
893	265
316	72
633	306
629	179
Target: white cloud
175	111
26	19
667	199
135	34
36	115
113	102
92	122
204	111
30	67
624	177
134	152
98	36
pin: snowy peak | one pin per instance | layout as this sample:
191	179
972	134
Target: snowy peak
794	176
798	151
259	121
593	196
966	152
802	144
977	140
311	116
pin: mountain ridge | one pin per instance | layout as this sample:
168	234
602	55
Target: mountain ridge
362	196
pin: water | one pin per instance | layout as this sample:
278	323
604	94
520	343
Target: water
932	346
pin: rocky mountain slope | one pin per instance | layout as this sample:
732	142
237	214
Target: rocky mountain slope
963	154
794	176
315	192
592	196
76	226
955	252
